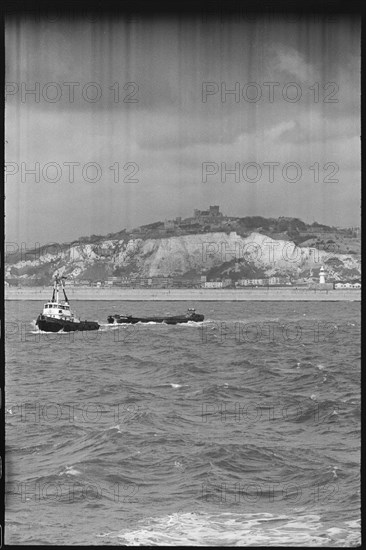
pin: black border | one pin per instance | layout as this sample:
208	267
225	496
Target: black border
148	8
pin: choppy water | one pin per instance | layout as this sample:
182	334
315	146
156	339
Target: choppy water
243	430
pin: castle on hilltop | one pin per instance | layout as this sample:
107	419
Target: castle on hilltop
213	214
200	219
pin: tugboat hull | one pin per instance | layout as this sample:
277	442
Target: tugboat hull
129	319
50	324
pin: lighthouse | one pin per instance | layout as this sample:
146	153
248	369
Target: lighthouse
322	276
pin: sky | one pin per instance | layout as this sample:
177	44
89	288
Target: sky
132	121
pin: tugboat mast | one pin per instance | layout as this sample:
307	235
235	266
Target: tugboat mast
55	294
63	288
55	290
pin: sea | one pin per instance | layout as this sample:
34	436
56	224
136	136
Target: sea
242	430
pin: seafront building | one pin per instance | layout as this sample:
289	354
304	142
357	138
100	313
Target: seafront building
347	285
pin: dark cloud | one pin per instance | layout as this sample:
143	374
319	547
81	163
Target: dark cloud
152	110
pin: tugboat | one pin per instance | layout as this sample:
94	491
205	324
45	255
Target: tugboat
57	315
191	315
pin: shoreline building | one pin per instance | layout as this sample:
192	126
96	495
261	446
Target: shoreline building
322	284
322	276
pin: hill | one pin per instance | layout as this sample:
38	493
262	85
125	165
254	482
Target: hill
241	248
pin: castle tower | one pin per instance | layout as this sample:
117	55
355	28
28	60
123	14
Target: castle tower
322	276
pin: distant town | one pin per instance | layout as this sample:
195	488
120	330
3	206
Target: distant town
106	272
201	282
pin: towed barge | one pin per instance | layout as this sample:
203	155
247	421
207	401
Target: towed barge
191	315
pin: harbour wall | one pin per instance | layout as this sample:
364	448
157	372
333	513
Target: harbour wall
189	295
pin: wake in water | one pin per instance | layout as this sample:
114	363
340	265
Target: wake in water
229	529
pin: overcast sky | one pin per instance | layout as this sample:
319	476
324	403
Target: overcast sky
167	128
